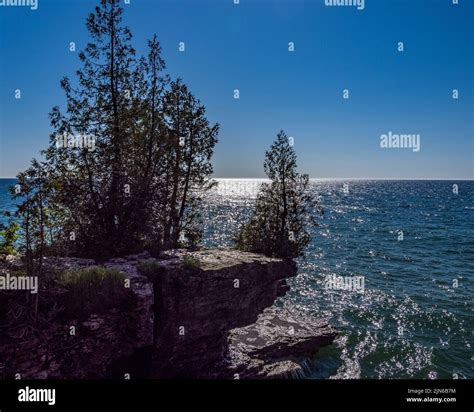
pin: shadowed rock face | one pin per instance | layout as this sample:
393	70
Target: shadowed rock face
202	317
211	322
196	308
48	350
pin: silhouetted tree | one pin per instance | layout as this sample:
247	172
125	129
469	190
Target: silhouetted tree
35	213
190	146
100	117
284	207
130	154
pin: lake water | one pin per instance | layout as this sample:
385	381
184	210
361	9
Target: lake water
414	318
411	321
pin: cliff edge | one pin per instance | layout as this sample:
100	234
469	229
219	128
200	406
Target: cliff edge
201	314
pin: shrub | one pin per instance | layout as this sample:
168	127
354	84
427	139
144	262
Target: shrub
191	262
8	238
150	268
93	290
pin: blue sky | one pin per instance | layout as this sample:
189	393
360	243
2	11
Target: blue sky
245	47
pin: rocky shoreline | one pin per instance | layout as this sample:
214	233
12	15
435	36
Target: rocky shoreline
201	314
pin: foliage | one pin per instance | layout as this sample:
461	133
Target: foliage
8	238
92	290
127	159
191	262
284	207
36	213
149	268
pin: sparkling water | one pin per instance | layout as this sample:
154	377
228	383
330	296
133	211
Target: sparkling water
412	242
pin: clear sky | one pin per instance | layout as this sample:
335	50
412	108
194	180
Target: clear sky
245	47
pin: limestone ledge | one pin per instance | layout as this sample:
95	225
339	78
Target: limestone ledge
213	319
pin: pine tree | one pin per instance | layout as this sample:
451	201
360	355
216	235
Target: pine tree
284	207
100	110
191	141
131	152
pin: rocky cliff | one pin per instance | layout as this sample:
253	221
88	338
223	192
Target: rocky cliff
202	314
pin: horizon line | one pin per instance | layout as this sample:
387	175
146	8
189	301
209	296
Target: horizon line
328	178
353	178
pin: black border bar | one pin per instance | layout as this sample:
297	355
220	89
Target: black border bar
265	394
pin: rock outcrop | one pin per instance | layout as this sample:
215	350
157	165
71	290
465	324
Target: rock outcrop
277	345
71	348
197	307
201	314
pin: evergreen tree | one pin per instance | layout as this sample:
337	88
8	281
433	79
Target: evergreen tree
191	141
284	207
100	116
35	212
129	154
